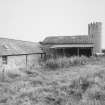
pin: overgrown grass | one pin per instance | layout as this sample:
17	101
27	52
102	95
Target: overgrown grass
81	91
35	90
64	62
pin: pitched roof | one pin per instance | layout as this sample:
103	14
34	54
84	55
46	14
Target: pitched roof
82	39
16	47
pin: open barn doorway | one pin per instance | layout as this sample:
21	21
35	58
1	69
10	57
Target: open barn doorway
86	51
74	51
83	51
70	52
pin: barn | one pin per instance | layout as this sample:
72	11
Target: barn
17	54
76	45
69	46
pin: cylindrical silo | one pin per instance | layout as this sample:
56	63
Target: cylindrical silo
94	32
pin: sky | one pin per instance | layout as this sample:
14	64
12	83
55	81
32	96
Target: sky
33	20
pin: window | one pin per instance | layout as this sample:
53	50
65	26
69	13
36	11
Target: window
4	59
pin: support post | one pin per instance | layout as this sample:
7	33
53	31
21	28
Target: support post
55	53
77	51
91	51
41	56
26	63
63	52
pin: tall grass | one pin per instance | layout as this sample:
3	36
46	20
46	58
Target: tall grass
64	62
86	90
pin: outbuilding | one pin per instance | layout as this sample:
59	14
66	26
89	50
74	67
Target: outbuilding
17	54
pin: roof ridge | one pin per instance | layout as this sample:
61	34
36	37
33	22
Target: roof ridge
18	47
66	35
17	40
68	39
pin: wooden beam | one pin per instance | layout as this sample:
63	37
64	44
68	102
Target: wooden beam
63	52
78	52
91	51
26	63
41	56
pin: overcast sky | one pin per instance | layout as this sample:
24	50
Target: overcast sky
33	20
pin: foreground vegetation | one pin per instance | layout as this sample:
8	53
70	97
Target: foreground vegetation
83	84
63	62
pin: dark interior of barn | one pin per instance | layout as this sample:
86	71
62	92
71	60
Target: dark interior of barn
68	52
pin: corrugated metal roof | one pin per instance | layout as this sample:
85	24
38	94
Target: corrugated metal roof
16	47
67	39
71	45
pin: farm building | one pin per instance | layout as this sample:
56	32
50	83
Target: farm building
16	54
79	45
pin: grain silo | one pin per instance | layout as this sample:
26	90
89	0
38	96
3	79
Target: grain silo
94	32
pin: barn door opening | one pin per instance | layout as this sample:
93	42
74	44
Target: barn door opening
85	51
